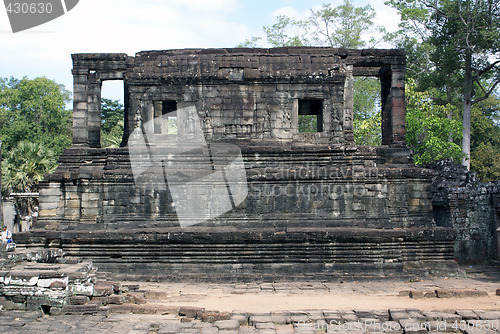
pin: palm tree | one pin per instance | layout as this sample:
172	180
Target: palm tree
22	169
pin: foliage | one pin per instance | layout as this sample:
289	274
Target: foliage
34	110
341	26
485	161
367	116
278	33
111	123
367	131
23	167
485	139
250	43
308	123
366	97
462	40
428	128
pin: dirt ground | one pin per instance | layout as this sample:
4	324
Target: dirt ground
377	295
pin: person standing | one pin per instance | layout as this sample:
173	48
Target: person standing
6	235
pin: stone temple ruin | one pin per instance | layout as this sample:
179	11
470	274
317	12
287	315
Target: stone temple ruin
312	204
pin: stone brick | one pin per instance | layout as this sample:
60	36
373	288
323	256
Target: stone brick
227	324
191	312
137	298
215	316
103	290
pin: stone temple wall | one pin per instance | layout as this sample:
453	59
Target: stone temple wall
471	208
314	203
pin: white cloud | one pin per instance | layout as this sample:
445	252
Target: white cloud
286	11
118	26
130	26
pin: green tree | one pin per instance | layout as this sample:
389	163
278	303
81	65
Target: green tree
367	131
341	26
308	123
111	123
34	110
485	139
278	34
23	167
463	35
428	128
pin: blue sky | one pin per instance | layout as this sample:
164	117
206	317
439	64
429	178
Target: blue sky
131	26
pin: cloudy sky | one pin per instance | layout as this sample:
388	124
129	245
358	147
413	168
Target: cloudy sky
130	26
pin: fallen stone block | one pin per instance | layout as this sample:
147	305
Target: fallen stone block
79	300
213	316
191	312
416	294
103	290
136	298
460	293
46	282
86	289
117	299
79	309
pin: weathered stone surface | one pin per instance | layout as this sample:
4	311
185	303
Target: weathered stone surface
103	290
137	298
460	293
470	207
191	312
117	299
227	324
315	203
44	286
212	316
79	300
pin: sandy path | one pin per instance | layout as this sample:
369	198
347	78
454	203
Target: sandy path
281	302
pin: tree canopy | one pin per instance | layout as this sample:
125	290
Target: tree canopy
34	110
111	123
462	47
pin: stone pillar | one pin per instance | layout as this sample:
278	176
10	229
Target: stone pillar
398	106
126	106
348	120
392	82
94	110
80	103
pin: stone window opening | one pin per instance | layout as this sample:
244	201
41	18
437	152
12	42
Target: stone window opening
111	113
367	111
165	117
310	115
